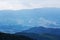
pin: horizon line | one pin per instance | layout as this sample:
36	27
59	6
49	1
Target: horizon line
28	8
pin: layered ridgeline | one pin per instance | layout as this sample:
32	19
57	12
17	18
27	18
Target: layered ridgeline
28	36
18	20
41	33
36	33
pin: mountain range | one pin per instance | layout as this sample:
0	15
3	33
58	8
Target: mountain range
19	20
41	33
41	30
31	17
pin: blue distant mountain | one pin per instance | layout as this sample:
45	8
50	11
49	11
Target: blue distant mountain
42	30
30	18
13	28
24	16
41	33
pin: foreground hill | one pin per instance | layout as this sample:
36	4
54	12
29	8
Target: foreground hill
41	33
5	36
43	36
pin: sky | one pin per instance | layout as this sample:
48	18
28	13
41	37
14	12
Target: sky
27	4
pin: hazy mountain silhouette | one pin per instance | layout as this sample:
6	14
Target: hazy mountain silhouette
12	21
18	16
13	28
41	29
42	33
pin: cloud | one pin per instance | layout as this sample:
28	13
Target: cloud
42	22
27	4
32	22
20	21
46	23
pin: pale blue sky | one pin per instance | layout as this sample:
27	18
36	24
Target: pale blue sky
27	4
